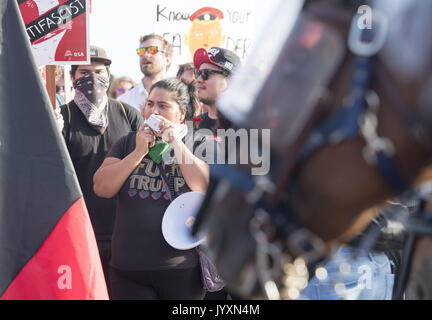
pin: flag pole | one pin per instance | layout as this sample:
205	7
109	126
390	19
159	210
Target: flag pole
51	84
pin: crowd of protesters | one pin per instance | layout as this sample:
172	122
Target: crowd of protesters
112	147
126	184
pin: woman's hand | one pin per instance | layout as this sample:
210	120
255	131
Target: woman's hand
145	139
167	127
195	171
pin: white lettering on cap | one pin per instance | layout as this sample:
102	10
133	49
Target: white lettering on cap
213	51
229	65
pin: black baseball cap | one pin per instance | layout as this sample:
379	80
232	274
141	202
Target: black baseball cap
99	54
220	57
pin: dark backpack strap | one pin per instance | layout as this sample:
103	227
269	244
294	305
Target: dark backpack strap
67	123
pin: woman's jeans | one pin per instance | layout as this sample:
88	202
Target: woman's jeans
368	277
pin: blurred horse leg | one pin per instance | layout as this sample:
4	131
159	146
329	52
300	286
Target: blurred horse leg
419	286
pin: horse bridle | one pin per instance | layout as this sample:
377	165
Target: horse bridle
359	118
379	151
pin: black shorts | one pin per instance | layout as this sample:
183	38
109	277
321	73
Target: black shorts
171	284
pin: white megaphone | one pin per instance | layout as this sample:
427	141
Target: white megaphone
178	220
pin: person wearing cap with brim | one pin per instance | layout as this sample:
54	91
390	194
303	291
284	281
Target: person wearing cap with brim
92	123
213	69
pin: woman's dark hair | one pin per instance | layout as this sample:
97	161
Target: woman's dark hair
184	94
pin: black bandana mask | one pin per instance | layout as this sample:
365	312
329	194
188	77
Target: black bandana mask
91	98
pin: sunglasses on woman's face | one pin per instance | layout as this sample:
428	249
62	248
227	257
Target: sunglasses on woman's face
206	73
152	50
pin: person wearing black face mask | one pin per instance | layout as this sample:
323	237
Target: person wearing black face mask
92	123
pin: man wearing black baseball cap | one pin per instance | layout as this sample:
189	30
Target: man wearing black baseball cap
213	68
92	123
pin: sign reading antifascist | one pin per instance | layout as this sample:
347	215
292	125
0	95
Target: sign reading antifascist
58	30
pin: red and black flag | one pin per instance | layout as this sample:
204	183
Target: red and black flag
47	245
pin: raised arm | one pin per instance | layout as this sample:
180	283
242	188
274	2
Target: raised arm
195	171
113	172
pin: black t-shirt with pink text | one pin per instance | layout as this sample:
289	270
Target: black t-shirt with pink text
137	242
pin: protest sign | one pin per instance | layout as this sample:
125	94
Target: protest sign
58	30
187	25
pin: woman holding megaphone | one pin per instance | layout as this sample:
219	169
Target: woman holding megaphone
143	264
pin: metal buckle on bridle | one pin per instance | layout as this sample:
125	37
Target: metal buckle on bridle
284	274
368	128
278	261
266	272
368	49
304	243
301	241
262	184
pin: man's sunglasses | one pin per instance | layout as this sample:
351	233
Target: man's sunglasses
152	50
206	73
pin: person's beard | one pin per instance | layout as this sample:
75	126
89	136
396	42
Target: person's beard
151	70
207	102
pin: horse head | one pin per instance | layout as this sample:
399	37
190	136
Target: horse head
346	94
